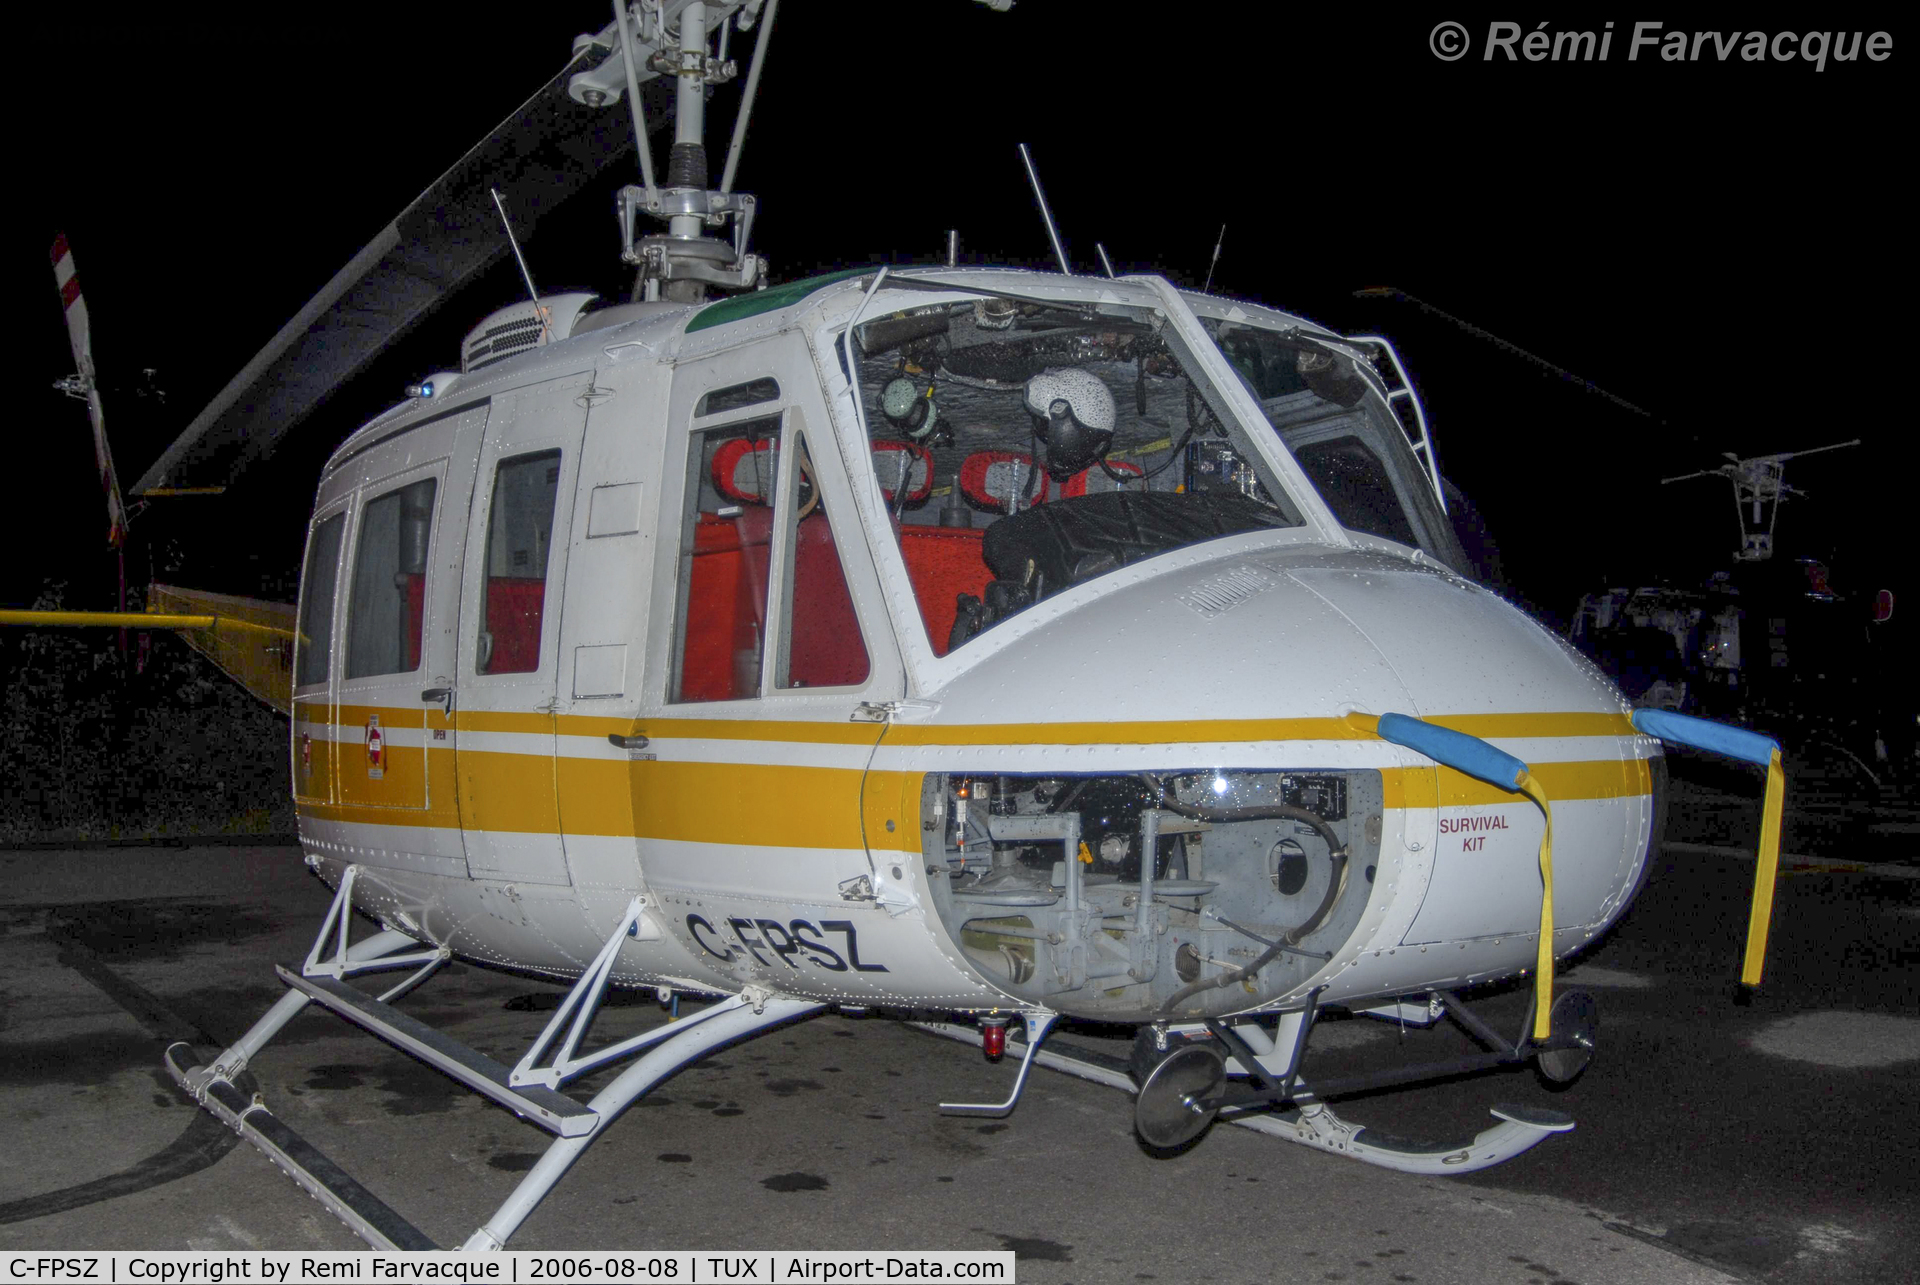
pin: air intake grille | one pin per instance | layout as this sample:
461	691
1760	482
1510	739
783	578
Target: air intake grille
512	331
496	343
1217	595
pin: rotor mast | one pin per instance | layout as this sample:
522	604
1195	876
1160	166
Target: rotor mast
672	37
1758	487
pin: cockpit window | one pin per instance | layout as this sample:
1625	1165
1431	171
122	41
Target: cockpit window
1353	481
1024	448
1348	444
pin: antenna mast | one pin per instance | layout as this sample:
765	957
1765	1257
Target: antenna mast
1046	215
1207	288
525	274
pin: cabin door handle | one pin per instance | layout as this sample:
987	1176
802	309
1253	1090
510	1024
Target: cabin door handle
637	741
439	694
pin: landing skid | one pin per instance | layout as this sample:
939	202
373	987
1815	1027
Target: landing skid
1521	1128
530	1089
1310	1121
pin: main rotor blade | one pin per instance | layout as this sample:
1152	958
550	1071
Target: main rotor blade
541	155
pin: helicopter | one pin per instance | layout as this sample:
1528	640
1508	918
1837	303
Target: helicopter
761	648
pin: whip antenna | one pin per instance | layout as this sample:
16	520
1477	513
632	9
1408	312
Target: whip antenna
514	241
1046	215
1216	259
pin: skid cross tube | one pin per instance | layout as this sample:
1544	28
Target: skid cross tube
580	1004
343	962
741	1019
1316	1125
526	1090
1262	1090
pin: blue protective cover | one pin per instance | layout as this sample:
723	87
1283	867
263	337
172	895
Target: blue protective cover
1704	734
1456	750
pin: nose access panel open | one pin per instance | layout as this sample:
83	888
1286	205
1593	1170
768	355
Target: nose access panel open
1135	897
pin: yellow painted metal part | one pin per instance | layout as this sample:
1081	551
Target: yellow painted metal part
1583	782
514	790
1761	914
1543	961
251	641
108	619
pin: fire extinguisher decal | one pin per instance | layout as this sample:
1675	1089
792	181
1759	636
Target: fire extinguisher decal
376	749
306	754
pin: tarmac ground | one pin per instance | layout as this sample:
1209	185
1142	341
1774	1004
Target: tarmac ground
1771	1142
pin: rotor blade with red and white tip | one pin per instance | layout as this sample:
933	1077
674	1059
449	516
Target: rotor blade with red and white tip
68	281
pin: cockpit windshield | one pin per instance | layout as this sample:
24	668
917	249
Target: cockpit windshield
1025	446
1347	442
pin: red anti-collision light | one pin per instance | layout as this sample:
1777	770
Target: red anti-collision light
993	1037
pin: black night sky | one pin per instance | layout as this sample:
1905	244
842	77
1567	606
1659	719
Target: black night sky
1714	243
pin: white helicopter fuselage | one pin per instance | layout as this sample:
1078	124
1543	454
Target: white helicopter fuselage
534	684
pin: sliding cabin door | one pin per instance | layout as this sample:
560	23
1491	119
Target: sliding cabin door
379	600
381	652
509	635
315	764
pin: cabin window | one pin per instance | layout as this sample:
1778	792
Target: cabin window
820	643
725	545
386	607
315	644
519	530
738	396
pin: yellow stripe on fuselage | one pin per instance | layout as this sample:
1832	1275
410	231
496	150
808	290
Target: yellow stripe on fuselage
775	804
1223	730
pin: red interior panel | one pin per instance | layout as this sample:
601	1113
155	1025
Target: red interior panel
514	605
742	479
943	562
726	603
826	647
416	616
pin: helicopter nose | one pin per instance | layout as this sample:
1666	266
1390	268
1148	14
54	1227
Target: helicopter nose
1279	634
1457	647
